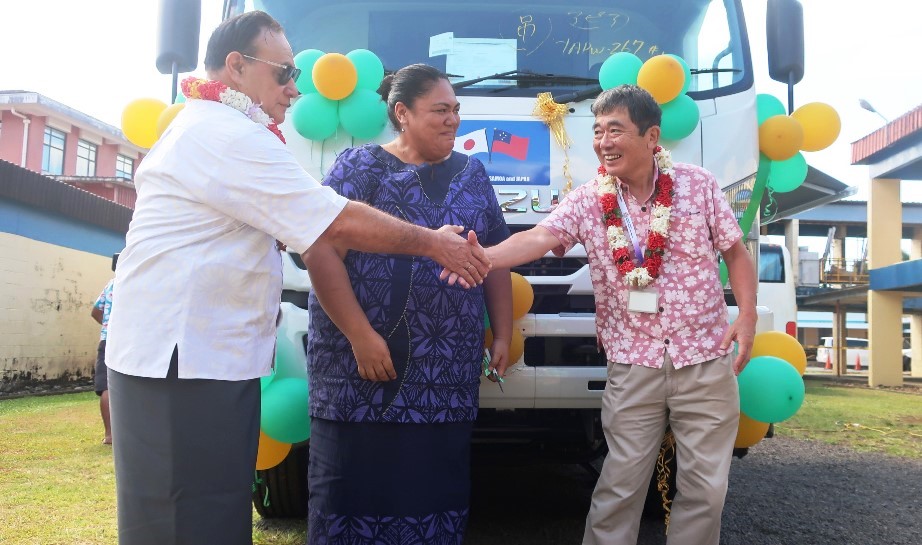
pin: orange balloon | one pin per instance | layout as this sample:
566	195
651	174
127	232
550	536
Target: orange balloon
271	452
516	346
780	137
663	77
334	76
821	125
523	296
750	432
167	116
488	338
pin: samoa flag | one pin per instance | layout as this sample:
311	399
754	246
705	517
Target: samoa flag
509	144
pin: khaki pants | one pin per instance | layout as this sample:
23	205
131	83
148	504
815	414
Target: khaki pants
701	404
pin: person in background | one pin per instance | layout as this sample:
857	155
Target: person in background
395	356
100	313
652	230
198	288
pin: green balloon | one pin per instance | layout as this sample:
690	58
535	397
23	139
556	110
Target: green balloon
771	389
315	117
290	359
486	319
285	410
685	69
265	381
180	98
768	106
724	273
789	174
680	117
305	61
363	114
619	69
369	68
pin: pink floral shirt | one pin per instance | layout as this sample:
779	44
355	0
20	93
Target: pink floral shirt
692	316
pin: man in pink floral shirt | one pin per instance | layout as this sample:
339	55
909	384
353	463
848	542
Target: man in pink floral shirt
652	231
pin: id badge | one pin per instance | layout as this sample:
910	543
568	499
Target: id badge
643	301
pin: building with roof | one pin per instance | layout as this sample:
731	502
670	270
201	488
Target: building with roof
50	138
56	246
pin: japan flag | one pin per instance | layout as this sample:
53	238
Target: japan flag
472	142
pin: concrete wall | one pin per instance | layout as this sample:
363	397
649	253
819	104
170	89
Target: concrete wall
52	268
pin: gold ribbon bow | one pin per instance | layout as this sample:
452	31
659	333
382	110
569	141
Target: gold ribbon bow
552	115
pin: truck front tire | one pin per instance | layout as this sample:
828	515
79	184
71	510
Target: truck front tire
281	491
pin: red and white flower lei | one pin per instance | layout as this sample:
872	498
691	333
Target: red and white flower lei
202	89
645	274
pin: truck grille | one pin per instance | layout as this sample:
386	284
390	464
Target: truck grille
552	266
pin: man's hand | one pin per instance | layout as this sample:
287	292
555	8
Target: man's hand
373	358
743	331
464	260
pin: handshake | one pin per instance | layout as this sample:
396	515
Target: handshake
464	260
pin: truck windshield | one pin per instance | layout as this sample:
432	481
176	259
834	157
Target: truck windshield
544	45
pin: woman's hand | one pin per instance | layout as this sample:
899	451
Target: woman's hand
373	357
499	358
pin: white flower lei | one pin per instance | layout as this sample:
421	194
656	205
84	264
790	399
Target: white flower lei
242	103
659	221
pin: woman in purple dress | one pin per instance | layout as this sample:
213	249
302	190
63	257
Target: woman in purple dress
395	354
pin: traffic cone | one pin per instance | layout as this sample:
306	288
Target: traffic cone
828	362
858	362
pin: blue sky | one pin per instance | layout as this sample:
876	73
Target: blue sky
97	55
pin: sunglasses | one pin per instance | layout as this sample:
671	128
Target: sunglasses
288	72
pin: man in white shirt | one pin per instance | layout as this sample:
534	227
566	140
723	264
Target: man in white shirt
192	327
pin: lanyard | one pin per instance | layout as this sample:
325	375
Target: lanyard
629	224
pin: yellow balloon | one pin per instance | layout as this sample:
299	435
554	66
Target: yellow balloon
663	77
821	125
488	338
780	345
780	137
334	76
271	452
167	116
749	432
139	121
523	296
516	345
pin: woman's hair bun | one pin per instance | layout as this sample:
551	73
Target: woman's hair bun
385	88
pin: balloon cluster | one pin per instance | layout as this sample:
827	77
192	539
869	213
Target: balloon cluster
771	385
339	90
812	127
145	119
667	78
523	295
284	417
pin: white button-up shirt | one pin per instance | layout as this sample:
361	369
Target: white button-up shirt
200	269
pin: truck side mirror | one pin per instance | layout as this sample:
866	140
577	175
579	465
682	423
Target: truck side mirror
178	31
784	30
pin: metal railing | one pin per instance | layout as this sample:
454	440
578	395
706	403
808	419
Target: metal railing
843	271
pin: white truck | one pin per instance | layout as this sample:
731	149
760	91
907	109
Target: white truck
550	408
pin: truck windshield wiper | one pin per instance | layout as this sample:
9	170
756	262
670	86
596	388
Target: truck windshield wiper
695	71
591	92
527	77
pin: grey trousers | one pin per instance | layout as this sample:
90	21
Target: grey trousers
701	404
185	456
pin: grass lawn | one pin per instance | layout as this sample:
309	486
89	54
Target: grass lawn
57	485
865	419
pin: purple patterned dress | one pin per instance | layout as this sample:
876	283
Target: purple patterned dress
413	431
